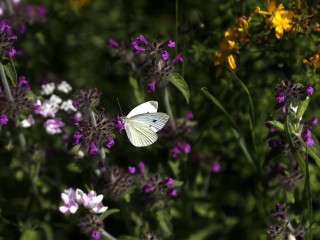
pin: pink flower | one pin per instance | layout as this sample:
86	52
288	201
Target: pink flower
70	205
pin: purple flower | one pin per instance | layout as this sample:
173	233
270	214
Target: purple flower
3	119
70	204
280	97
216	167
112	43
23	83
41	10
147	188
164	55
142	39
171	44
131	170
313	121
181	147
152	86
172	192
109	141
169	182
75	104
176	152
307	137
93	148
10	51
188	116
309	89
95	235
76	138
178	57
22	28
53	126
3	25
118	123
141	167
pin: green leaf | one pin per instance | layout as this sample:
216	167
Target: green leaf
163	218
128	238
178	81
205	232
243	146
11	72
302	107
174	165
219	105
108	213
277	125
136	90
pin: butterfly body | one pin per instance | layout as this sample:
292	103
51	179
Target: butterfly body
143	123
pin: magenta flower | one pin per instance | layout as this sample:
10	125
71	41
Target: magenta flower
152	86
169	182
216	168
171	44
280	97
141	167
95	235
93	148
131	170
142	39
172	192
3	119
309	89
307	137
188	116
178	58
70	205
23	83
119	123
164	55
181	147
147	188
313	121
109	141
112	43
76	138
11	52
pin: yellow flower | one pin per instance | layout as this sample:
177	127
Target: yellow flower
232	62
280	19
314	62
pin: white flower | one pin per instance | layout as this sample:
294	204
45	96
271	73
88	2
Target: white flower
90	201
64	87
53	126
55	100
70	205
291	237
68	106
48	88
27	122
47	109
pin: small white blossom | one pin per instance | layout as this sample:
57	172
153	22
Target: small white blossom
70	204
48	88
55	100
68	106
64	87
47	109
90	201
53	126
27	122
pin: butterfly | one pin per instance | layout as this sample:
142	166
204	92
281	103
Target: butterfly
142	123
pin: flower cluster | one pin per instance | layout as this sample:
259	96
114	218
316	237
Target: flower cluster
73	199
7	38
152	57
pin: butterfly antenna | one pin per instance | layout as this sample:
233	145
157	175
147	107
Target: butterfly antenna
119	106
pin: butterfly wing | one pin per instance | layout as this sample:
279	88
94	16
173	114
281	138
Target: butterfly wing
147	107
139	134
156	121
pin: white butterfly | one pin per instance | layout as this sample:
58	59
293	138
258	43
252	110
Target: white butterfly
142	123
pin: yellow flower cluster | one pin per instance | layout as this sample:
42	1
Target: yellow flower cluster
278	18
230	44
313	62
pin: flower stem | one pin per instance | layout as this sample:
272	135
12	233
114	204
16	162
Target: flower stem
107	235
168	108
7	90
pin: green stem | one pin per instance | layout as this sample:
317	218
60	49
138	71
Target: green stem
107	235
168	108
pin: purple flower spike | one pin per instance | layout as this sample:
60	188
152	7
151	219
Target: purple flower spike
3	119
307	137
23	83
280	97
10	51
112	43
216	167
95	235
171	44
164	55
309	89
76	138
109	141
131	170
178	58
152	86
142	39
93	148
141	167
